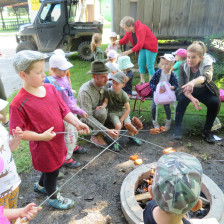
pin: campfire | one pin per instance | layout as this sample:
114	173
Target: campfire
143	197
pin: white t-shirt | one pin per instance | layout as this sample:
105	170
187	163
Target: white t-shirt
112	47
9	178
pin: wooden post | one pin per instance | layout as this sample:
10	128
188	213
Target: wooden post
3	23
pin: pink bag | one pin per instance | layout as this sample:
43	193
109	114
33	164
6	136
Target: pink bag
221	93
167	97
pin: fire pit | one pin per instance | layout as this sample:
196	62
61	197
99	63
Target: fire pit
133	211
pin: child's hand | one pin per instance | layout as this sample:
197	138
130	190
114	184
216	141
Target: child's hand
162	90
48	134
30	211
172	88
85	115
74	92
82	128
17	133
99	107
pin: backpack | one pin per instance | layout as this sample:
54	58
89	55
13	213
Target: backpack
221	92
143	91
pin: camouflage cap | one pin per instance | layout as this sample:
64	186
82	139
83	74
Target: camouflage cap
177	182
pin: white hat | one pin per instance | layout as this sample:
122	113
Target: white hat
3	104
113	34
168	57
59	51
60	62
112	54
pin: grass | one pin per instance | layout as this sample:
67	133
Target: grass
193	120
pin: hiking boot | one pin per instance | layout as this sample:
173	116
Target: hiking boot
135	141
61	202
155	124
209	137
98	140
177	133
79	150
116	147
70	163
168	125
39	189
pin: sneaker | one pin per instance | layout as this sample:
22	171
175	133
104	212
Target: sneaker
155	124
209	137
116	147
61	202
177	133
168	125
98	140
70	163
79	150
6	125
135	141
39	189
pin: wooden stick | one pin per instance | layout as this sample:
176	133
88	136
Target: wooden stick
143	196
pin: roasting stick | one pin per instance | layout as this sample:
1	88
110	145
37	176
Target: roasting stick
24	219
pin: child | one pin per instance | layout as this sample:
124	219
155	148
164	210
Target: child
180	56
124	64
176	188
112	65
118	105
59	66
29	212
61	52
112	46
98	54
9	178
164	74
38	109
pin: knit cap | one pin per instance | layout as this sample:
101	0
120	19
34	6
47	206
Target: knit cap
177	182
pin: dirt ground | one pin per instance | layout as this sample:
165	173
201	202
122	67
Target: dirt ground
96	189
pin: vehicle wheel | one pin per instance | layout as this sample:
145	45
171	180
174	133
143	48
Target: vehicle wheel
84	51
25	46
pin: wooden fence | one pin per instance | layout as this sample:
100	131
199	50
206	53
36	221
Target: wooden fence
169	19
12	24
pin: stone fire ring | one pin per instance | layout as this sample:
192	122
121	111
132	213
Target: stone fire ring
134	213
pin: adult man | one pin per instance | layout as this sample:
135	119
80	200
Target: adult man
90	97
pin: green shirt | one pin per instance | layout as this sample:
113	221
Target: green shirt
176	68
116	102
99	55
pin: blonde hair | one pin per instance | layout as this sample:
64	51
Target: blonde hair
171	63
96	38
197	47
127	21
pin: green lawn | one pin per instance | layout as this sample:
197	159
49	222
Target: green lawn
192	120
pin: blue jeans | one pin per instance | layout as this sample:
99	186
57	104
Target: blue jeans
147	58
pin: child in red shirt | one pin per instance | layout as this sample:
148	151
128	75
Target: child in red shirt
39	111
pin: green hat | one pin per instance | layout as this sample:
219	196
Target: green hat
118	77
177	182
124	62
98	67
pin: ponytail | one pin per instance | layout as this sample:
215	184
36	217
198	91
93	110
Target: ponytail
198	47
96	38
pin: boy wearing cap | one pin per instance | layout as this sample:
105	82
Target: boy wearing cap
112	65
176	188
59	67
180	56
166	74
117	102
9	178
39	111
